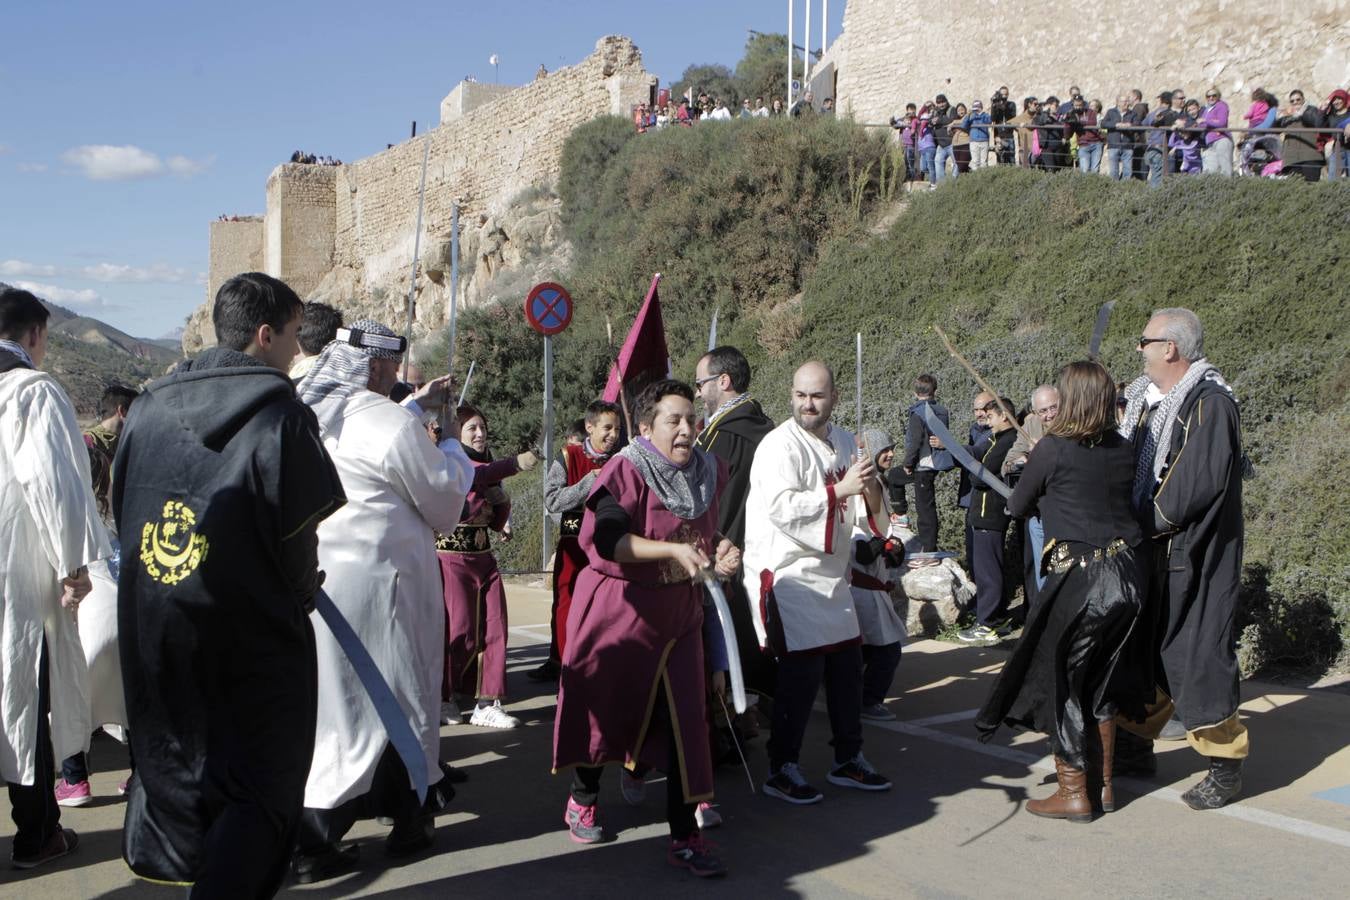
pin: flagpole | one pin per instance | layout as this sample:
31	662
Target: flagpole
417	246
862	442
454	289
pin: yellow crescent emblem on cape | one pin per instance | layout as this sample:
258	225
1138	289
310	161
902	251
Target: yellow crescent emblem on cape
171	549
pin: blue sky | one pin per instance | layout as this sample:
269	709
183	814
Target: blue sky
126	127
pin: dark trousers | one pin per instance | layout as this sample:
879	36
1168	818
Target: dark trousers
679	815
75	769
987	564
321	829
879	665
33	807
896	479
799	678
925	507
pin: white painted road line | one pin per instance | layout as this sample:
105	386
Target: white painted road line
945	719
1262	817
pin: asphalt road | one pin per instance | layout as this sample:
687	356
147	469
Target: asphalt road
951	827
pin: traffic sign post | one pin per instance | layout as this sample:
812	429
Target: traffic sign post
548	310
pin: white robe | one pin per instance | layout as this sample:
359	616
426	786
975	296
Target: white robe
49	527
98	635
877	619
379	555
798	531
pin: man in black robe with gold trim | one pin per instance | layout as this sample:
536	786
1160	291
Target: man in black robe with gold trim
1184	421
219	485
735	426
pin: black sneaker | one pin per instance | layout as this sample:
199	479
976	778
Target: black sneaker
858	773
977	634
335	860
788	784
546	672
1218	787
696	855
62	841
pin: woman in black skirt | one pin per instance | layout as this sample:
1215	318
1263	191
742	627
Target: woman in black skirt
1083	655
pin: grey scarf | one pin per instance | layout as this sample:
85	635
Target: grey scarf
688	490
1149	461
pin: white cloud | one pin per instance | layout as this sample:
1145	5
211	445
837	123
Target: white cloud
32	168
19	268
105	162
86	299
186	168
5	148
157	273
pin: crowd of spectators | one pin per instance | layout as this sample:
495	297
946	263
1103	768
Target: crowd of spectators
687	111
310	159
1136	138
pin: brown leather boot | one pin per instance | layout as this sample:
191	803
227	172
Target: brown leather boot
1107	731
1070	801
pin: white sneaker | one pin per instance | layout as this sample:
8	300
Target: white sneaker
633	788
450	714
493	716
707	816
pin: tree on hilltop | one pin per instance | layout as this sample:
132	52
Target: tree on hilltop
760	71
715	80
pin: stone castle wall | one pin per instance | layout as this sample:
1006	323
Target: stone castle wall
300	224
889	53
345	234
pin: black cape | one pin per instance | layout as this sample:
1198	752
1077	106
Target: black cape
734	437
219	484
1197	513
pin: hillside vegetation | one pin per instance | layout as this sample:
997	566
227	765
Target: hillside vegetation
766	220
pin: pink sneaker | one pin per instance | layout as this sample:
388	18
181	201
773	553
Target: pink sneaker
77	794
122	788
580	821
697	855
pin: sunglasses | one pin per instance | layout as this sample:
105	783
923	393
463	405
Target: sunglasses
992	404
1145	341
1211	96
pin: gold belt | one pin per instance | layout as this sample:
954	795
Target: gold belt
1058	558
465	539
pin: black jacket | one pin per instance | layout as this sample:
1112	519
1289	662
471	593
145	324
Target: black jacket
917	433
219	484
986	505
734	437
1197	517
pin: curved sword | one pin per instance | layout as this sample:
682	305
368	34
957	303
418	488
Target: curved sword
958	451
729	637
406	742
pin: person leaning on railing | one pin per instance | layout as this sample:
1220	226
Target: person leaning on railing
1299	150
1336	115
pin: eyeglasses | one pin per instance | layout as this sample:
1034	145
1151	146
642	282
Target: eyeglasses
700	382
992	404
1211	96
1145	341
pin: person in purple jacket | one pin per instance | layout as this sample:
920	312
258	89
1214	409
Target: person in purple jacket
1217	155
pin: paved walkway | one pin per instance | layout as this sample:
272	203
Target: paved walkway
952	827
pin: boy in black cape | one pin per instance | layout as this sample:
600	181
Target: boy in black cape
219	486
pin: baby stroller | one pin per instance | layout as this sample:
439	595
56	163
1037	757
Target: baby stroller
1262	156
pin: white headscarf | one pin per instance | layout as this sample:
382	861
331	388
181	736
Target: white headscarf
342	369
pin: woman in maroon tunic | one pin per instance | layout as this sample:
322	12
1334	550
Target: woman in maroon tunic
632	684
475	604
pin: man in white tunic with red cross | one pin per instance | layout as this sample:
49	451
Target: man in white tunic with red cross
808	489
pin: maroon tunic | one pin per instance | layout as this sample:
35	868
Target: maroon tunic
634	630
475	603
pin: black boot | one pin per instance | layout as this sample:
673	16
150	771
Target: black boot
1134	754
1218	787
